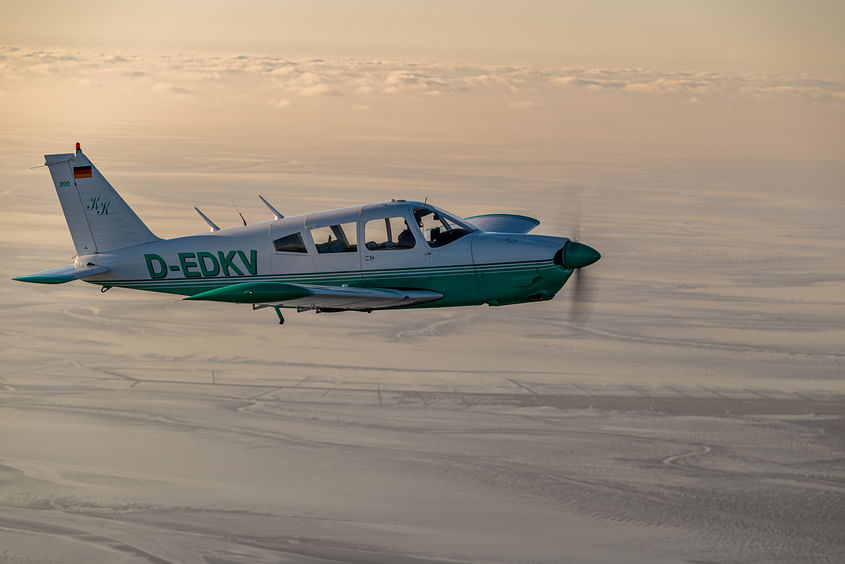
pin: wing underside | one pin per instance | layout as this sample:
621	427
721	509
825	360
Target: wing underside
307	296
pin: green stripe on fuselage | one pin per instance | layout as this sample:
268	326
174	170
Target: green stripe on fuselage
459	284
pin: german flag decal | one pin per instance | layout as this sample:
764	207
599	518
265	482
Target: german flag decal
82	172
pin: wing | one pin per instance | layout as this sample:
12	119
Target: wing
316	297
62	274
504	222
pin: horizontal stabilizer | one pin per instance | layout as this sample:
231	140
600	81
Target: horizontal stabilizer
62	274
504	222
316	297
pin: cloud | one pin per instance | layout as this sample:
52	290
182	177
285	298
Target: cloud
563	80
307	83
189	74
315	90
523	104
166	88
696	84
282	71
280	103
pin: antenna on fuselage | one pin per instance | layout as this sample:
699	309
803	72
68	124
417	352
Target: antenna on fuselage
210	223
276	213
237	209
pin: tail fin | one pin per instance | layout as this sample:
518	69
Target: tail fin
98	218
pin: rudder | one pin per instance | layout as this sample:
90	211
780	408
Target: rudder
99	220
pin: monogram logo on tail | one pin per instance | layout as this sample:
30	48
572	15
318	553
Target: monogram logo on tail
98	207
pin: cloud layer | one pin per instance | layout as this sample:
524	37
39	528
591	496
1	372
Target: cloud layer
286	80
291	102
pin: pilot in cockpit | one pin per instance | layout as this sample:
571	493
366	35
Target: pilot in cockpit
406	238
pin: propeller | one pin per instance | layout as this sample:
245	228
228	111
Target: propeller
583	295
577	255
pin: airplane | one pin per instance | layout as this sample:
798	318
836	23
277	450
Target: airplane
389	255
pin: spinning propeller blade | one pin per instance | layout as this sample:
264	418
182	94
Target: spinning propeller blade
577	255
583	295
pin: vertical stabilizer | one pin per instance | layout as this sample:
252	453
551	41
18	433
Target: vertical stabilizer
98	218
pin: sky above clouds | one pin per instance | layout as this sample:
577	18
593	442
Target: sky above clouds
778	36
650	76
460	89
274	97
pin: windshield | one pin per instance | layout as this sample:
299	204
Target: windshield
439	227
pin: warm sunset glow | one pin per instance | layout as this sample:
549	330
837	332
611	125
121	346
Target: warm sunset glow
695	415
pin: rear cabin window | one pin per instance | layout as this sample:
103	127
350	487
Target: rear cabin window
389	233
336	238
290	244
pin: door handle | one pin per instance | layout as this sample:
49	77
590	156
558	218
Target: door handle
369	257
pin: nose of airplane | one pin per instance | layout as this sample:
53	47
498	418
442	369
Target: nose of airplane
576	255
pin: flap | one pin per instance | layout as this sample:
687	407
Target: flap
316	297
62	274
504	222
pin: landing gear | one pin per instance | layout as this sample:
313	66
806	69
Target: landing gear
277	308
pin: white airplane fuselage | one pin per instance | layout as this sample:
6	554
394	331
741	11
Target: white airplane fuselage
388	255
479	267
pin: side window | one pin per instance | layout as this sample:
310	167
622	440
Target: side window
388	233
335	238
290	244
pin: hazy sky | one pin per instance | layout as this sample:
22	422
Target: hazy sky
369	85
716	35
699	145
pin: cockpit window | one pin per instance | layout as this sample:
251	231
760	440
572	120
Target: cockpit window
440	228
336	238
389	233
290	244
